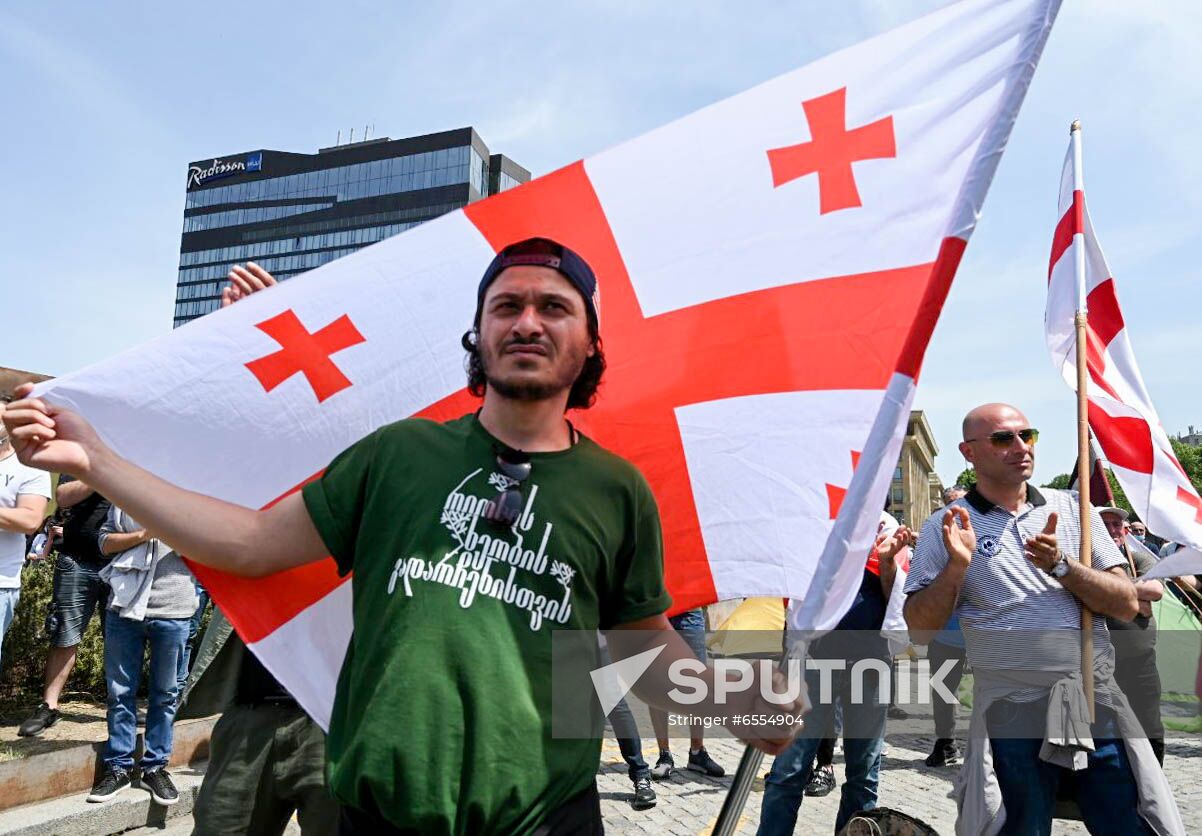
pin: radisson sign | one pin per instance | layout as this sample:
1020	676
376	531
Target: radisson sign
198	175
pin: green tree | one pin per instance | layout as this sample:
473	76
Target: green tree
1191	462
1061	482
967	478
1120	496
1064	480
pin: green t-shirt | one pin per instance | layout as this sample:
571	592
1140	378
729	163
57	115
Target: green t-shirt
442	717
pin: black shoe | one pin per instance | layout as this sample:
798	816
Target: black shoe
821	782
700	761
895	713
663	767
111	782
43	717
158	782
644	796
945	753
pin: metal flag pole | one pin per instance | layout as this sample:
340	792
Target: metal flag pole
740	789
1082	320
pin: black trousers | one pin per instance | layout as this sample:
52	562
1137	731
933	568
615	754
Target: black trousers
945	712
1138	678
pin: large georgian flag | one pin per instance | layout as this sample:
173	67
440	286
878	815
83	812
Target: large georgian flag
770	270
1121	416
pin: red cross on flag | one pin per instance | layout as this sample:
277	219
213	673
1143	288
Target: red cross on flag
1121	416
770	269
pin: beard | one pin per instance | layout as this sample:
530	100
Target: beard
519	387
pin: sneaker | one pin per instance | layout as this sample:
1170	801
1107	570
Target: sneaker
896	713
700	761
158	783
644	796
945	753
821	782
663	767
113	781
43	717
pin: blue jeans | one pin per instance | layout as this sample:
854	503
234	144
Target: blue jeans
691	627
8	610
125	642
185	660
792	769
1105	790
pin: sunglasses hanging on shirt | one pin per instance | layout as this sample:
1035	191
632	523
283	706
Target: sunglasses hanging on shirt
507	508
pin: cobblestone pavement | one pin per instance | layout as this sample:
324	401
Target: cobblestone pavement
688	803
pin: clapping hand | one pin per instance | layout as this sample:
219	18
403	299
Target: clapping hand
888	545
958	536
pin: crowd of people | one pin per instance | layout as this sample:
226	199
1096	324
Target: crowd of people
441	717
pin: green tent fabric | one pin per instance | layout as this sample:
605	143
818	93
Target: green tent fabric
1178	642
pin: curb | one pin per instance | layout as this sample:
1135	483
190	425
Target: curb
72	770
72	815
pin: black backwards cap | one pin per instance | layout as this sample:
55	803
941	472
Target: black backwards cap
554	255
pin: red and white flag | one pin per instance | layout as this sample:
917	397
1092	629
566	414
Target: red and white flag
770	268
1121	416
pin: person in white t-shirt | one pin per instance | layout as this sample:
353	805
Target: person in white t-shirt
24	494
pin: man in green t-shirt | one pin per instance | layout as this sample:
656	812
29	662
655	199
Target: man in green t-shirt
471	542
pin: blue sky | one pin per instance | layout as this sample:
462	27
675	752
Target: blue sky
107	103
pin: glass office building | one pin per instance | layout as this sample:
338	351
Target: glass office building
293	212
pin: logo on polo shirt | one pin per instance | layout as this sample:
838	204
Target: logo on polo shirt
988	546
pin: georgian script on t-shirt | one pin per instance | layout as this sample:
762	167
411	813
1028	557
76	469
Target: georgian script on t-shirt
492	560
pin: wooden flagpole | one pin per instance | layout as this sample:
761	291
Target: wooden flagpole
1083	476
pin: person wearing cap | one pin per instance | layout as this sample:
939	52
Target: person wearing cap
1134	641
471	542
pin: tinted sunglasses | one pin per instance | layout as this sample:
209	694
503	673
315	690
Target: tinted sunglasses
516	466
1004	438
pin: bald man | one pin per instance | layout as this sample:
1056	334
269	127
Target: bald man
999	558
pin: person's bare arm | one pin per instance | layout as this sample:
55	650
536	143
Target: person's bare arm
55	533
1148	592
1105	592
1187	581
121	541
928	610
654	685
72	493
210	531
26	517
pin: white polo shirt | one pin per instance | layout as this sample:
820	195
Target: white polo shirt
16	480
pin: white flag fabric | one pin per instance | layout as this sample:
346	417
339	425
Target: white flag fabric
1121	415
770	270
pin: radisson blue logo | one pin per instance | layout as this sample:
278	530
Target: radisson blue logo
198	176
